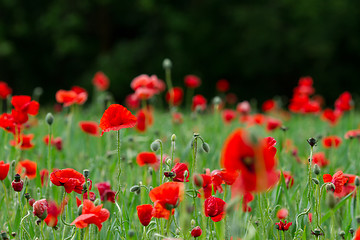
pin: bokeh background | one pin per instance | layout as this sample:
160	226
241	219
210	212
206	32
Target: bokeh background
261	47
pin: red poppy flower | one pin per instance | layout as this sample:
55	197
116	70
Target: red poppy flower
305	86
227	177
209	183
338	179
222	85
91	215
106	194
344	102
243	108
25	105
115	118
5	90
166	197
332	116
231	98
350	134
178	172
331	141
82	94
268	105
283	226
196	232
23	142
57	142
174	96
192	81
101	81
68	98
298	103
90	127
228	115
26	168
53	211
254	161
320	159
177	118
282	213
44	175
357	234
145	213
7	122
199	101
132	101
215	208
149	82
144	93
272	123
348	187
248	197
146	158
144	119
69	178
4	170
289	179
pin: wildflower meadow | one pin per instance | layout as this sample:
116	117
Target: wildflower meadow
167	163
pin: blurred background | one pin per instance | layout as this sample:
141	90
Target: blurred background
261	47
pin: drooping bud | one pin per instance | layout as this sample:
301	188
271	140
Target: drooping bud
135	189
155	145
357	181
316	169
330	187
351	231
206	147
4	235
315	181
167	64
49	119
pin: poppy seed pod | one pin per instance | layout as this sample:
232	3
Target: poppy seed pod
155	145
167	64
49	119
312	141
206	147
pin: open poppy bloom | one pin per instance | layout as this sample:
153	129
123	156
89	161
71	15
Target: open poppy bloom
144	158
24	104
215	208
106	194
53	211
357	234
23	141
44	175
268	105
115	118
228	115
132	101
4	170
192	81
283	226
82	94
348	135
26	168
289	179
177	118
338	179
222	85
5	90
91	215
90	127
144	119
145	213
57	142
331	141
209	182
254	161
332	116
68	98
69	178
198	101
166	198
8	123
344	102
243	108
152	83
320	159
178	172
101	81
174	96
348	187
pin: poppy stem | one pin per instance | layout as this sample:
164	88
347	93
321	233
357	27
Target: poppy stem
169	85
6	199
49	150
119	162
169	223
161	162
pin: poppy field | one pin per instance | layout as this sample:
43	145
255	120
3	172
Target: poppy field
167	163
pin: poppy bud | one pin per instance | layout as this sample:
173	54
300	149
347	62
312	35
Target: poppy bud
284	129
27	196
131	233
196	232
135	189
316	232
316	181
38	221
86	173
312	141
17	184
38	91
351	231
4	235
168	161
167	64
206	147
97	202
186	173
13	234
330	199
13	163
40	208
357	181
342	234
150	171
49	119
217	100
358	219
192	222
178	231
169	174
173	138
155	145
330	187
316	169
79	210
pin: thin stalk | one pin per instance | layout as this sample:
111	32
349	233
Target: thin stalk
118	163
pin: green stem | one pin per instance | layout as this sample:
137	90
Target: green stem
119	163
49	150
169	223
161	163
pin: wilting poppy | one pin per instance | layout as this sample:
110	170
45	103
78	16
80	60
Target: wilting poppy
320	159
283	226
338	179
145	213
174	96
90	127
268	105
344	102
228	115
331	141
26	168
243	108
115	118
282	213
222	85
332	116
69	178
4	170
166	197
254	161
101	81
106	194
192	81
5	90
44	175
215	208
198	101
91	215
146	158
178	172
